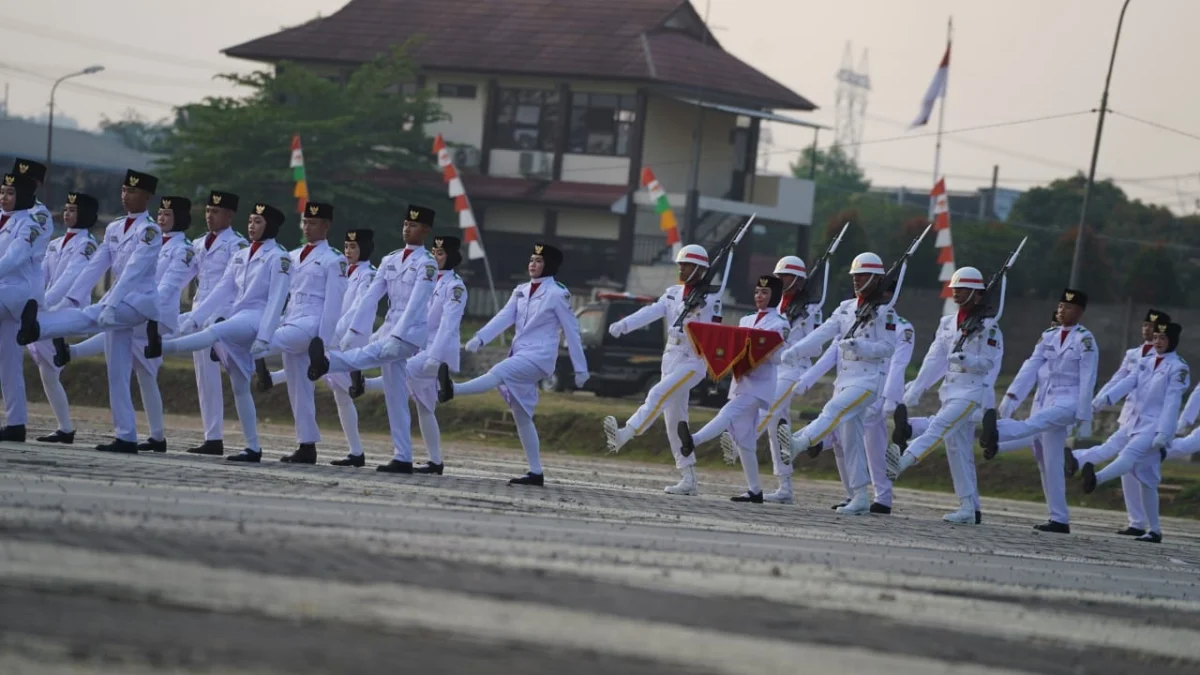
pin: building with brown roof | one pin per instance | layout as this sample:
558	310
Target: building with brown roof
555	107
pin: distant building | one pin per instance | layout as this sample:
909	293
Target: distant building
556	108
979	204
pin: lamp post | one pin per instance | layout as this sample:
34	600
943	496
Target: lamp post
1077	258
90	70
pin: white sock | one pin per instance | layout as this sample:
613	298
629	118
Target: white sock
278	376
348	415
485	382
528	435
57	396
431	433
750	468
374	384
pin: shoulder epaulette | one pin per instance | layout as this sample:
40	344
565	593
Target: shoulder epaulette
1052	328
561	284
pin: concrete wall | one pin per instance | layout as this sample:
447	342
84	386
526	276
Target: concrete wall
668	146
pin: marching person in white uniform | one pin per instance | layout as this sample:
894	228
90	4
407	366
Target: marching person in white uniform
1130	488
257	281
175	269
130	249
862	366
750	395
214	252
1189	443
24	236
406	277
876	441
1071	353
36	171
682	367
65	259
541	312
1159	383
966	375
316	289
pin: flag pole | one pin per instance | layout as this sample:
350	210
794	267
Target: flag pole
937	153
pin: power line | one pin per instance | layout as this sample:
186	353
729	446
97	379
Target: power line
1156	125
980	127
108	93
100	44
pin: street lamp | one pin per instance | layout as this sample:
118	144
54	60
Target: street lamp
1077	258
90	70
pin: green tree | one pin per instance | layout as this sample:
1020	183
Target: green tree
835	170
348	131
138	133
1152	279
1058	203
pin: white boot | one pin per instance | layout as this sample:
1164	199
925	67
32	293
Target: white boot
859	505
965	515
686	485
729	451
615	436
783	434
896	462
784	494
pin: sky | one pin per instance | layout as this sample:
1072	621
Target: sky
1011	62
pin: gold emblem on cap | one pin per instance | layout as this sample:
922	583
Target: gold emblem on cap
166	203
351	236
313	209
764	281
438	242
537	249
9	179
72	197
1069	296
259	208
216	200
133	181
22	168
1153	318
1162	327
413	214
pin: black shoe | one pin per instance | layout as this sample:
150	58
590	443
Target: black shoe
318	363
153	348
1150	538
351	460
216	448
531	478
1054	527
60	436
305	454
118	445
262	376
1089	478
748	497
395	466
989	435
152	445
246	455
876	507
686	445
815	450
445	386
1131	532
902	430
14	433
978	517
62	352
1070	464
430	468
358	384
1162	455
835	507
212	351
30	331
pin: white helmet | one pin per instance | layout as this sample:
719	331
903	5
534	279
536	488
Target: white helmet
866	263
790	264
692	253
967	277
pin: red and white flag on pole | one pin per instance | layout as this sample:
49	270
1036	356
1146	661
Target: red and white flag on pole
466	216
945	246
937	88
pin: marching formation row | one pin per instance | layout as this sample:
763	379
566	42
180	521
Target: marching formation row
316	306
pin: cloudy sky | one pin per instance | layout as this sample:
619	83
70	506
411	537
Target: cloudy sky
1012	61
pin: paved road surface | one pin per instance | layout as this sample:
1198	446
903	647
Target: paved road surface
182	564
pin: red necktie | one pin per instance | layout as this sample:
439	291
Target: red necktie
352	268
212	236
129	221
4	219
533	288
66	239
962	316
759	317
1146	349
253	249
405	256
1063	337
787	300
1157	361
304	253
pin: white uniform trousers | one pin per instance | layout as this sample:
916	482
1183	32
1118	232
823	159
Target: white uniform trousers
42	353
339	384
1130	457
954	425
1050	426
780	409
395	386
740	416
421	372
146	371
669	398
12	370
291	339
208	390
875	443
517	378
1131	489
844	412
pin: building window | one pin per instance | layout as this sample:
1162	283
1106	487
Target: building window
451	90
525	119
601	124
406	89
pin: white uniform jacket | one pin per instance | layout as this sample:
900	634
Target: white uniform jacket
445	315
1160	385
967	375
257	281
358	279
1129	364
798	362
668	307
23	243
317	288
862	362
893	384
408	285
538	318
760	381
132	255
212	261
176	269
1071	378
66	258
1191	410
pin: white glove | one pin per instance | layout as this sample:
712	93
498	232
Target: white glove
1083	429
1007	406
617	329
1160	441
347	342
849	345
208	323
259	349
911	398
187	326
1181	428
789	357
889	407
108	317
391	348
958	356
474	344
430	367
1100	402
581	378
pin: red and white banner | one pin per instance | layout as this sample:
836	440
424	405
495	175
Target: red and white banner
937	89
466	217
943	242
